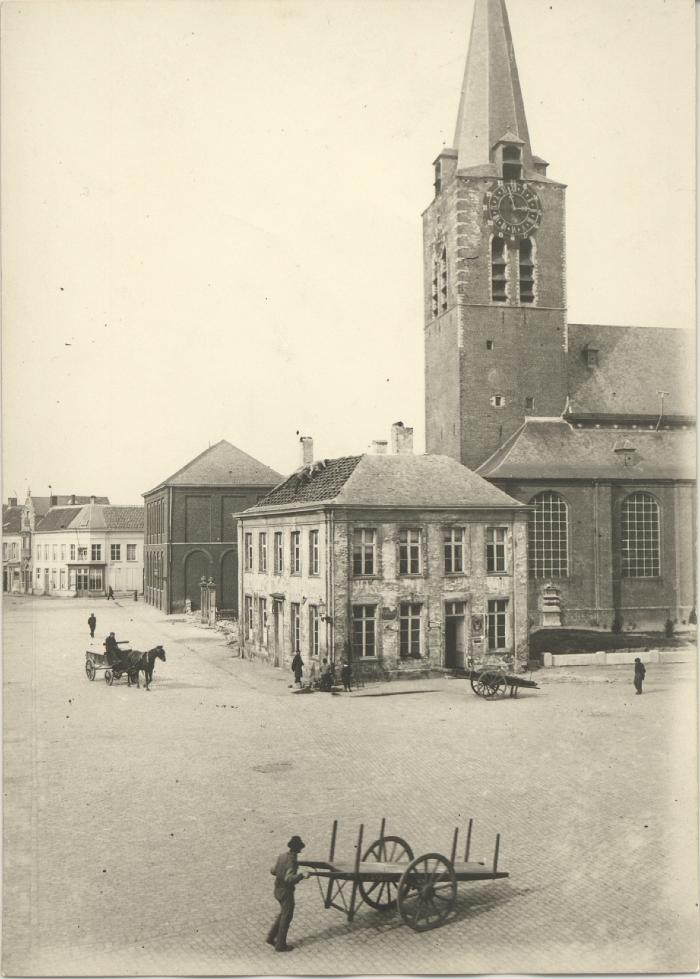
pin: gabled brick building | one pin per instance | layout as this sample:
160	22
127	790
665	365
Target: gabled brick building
191	529
591	425
395	560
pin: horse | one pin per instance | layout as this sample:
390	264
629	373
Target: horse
142	662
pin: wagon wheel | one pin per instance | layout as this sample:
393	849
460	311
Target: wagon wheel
427	891
109	677
90	669
381	894
490	683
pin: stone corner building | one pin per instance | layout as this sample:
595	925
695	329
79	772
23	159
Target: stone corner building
394	560
591	425
190	529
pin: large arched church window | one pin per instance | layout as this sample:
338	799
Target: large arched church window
548	536
641	538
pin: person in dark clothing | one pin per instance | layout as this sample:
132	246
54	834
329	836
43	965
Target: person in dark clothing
346	676
297	668
287	876
639	674
92	624
112	649
326	682
110	593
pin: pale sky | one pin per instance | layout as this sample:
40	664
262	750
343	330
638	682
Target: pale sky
211	213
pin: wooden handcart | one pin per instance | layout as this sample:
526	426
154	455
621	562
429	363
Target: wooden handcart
493	681
388	875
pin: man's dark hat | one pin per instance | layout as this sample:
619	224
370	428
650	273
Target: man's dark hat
296	843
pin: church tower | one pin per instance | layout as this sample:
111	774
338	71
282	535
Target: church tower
494	264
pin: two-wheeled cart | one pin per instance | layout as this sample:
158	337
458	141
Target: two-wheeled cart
94	662
388	875
493	681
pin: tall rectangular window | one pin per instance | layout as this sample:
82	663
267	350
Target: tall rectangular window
262	552
279	552
262	620
295	551
296	627
497	623
410	630
46	552
248	551
131	552
313	630
95	579
409	551
454	550
54	552
72	552
314	564
82	553
115	552
96	552
496	550
364	630
63	552
249	615
641	538
38	552
363	546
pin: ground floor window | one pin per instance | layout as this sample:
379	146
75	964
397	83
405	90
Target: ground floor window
262	620
364	630
497	623
249	616
63	579
410	630
81	579
296	638
95	579
313	630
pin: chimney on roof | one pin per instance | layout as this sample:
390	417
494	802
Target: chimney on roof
306	444
380	447
72	499
12	501
401	439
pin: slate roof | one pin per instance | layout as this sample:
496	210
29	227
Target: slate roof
11	519
634	364
57	518
222	464
553	449
42	504
94	516
423	481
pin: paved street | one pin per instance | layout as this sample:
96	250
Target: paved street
140	827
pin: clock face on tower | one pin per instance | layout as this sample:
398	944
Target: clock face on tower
514	209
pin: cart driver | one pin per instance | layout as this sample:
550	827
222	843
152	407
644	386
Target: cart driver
112	649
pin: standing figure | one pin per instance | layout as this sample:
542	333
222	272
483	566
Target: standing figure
92	624
639	674
326	675
297	668
346	676
110	593
287	876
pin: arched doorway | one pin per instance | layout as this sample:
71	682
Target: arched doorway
196	567
227	597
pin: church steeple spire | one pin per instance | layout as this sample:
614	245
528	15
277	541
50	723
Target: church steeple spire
491	109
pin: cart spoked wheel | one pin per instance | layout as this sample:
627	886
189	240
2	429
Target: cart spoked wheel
109	677
381	894
90	669
489	684
427	892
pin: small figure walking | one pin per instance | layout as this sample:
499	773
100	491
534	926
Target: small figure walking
346	676
287	876
639	674
110	593
92	623
297	668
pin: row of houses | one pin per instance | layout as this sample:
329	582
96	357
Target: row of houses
65	545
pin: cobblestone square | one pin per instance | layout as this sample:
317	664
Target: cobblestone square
139	827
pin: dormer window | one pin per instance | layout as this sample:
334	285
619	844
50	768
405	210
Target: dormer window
512	163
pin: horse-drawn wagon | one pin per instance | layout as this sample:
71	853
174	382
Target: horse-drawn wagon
388	875
129	663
